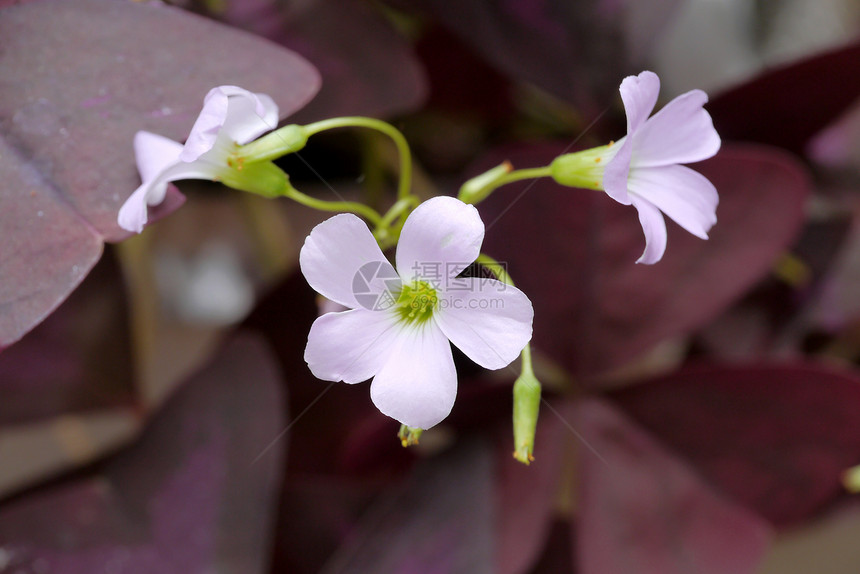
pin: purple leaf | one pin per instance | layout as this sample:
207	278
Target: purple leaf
79	79
321	412
574	50
838	306
526	496
788	105
190	496
642	510
573	251
766	320
78	360
838	145
317	513
776	438
557	555
382	78
438	522
47	248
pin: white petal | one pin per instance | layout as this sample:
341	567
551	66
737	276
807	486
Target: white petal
418	384
241	116
440	238
207	126
682	132
133	213
654	227
489	321
617	171
249	116
154	154
350	346
686	196
639	94
178	171
341	260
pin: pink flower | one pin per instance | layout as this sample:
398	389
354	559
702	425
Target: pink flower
399	322
644	169
230	116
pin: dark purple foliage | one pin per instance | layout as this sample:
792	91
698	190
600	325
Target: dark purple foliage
686	471
643	510
788	105
192	494
776	438
79	80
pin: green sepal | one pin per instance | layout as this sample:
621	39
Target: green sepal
262	178
527	391
583	169
286	140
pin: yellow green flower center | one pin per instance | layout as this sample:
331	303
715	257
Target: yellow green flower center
416	302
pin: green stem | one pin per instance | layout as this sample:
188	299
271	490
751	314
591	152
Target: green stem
386	236
365	211
520	174
479	187
399	208
527	388
403	190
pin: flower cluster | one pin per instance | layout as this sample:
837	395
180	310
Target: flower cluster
399	323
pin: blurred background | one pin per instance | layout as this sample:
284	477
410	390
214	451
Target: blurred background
156	414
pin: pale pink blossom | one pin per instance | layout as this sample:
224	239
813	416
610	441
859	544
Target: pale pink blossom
645	171
399	323
230	116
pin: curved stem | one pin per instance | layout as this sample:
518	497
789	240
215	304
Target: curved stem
384	233
398	209
365	211
405	185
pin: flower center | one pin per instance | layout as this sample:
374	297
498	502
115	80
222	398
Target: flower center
416	302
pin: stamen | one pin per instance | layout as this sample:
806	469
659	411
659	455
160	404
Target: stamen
416	302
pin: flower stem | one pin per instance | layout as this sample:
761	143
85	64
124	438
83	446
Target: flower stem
339	206
520	174
405	185
527	388
385	235
480	187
